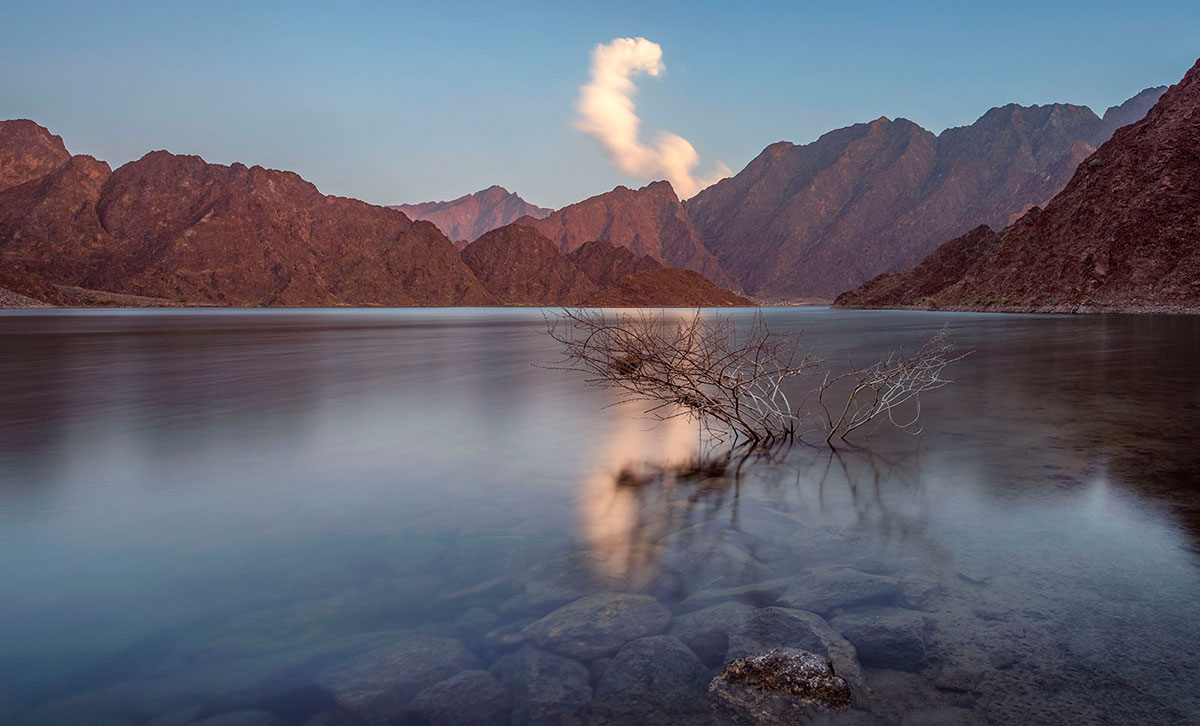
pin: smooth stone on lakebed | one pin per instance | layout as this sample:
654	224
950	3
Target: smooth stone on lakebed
886	637
822	590
652	680
781	686
379	684
239	718
731	630
706	631
470	698
597	625
546	688
725	559
775	627
761	593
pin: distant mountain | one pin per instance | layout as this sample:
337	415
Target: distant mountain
169	230
521	267
665	287
647	221
604	263
470	216
1123	235
1131	111
177	228
813	220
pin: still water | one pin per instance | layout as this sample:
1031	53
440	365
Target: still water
317	517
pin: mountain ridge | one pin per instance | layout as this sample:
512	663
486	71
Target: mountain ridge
466	218
1120	236
811	220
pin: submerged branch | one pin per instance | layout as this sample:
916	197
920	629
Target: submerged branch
732	381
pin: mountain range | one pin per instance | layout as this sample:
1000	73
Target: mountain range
1123	235
817	219
799	221
647	221
175	229
472	215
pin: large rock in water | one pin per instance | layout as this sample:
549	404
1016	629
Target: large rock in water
886	637
707	631
546	688
597	625
778	627
379	684
783	686
823	590
731	630
652	680
471	698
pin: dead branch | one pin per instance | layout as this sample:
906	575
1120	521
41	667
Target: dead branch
733	381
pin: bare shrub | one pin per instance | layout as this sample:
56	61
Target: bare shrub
732	381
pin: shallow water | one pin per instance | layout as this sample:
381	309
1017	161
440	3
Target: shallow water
208	512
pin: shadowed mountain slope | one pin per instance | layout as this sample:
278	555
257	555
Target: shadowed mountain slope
1123	235
466	218
647	221
813	220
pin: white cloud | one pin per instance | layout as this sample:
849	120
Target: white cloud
607	112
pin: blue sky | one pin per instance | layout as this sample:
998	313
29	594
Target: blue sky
404	102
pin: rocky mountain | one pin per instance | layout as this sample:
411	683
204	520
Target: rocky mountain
521	267
1133	110
178	228
647	221
812	220
1123	235
28	152
604	263
665	287
11	300
171	229
466	218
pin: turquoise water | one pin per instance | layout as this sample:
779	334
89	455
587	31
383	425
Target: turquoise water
208	512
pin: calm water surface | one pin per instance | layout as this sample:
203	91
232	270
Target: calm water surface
204	513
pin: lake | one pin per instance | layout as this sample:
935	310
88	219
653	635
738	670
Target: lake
324	516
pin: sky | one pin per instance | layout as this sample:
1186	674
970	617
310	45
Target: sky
406	102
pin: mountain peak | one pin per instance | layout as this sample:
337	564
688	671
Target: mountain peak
1121	235
647	221
28	151
472	215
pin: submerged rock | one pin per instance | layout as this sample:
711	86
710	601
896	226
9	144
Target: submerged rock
240	718
706	631
722	559
777	627
782	686
505	637
826	589
335	717
652	680
475	623
822	590
546	688
597	625
759	594
887	637
470	698
379	684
